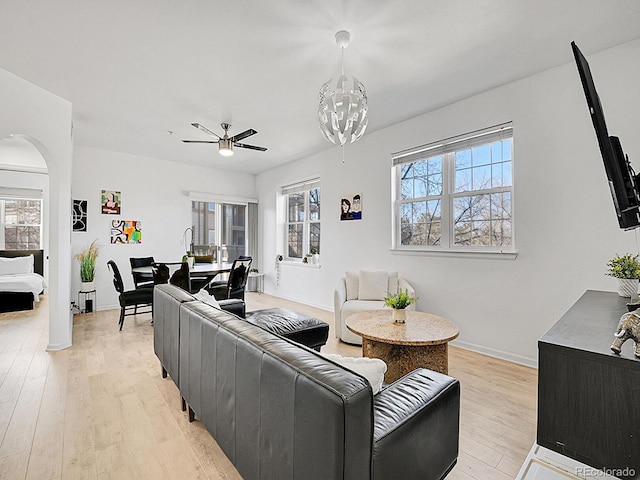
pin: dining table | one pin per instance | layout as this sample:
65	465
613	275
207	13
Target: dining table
202	271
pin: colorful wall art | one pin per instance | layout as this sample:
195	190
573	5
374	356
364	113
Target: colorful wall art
351	207
126	231
110	201
79	217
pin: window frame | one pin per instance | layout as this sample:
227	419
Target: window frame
302	187
447	148
220	204
3	225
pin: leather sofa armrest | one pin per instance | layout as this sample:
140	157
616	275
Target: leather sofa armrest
233	305
339	297
417	417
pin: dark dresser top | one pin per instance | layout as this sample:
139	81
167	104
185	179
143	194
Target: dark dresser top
589	326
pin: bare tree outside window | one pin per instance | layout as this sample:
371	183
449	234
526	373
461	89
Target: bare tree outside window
302	220
472	182
21	223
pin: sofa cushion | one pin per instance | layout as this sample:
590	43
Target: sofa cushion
356	306
373	285
393	282
351	282
299	327
373	369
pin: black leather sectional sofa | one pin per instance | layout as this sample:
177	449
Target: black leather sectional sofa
280	410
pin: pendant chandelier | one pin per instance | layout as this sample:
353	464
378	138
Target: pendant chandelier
342	109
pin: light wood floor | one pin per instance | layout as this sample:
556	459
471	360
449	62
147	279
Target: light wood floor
101	410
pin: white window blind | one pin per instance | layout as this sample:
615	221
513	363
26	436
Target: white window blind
460	142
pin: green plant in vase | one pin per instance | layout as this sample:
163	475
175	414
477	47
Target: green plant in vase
398	302
626	268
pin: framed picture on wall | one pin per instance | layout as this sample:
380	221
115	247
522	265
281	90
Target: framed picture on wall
110	201
126	231
79	216
351	207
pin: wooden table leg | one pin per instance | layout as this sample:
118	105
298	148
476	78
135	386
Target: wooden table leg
402	359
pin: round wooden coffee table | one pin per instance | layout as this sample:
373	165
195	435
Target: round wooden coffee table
422	341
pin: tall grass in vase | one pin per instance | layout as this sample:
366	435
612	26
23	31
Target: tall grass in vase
87	259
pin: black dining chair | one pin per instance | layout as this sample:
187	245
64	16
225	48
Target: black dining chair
180	277
234	287
141	279
129	299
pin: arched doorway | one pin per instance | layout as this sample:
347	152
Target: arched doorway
24	176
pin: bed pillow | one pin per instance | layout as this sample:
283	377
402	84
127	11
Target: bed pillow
373	285
204	296
351	282
373	369
17	265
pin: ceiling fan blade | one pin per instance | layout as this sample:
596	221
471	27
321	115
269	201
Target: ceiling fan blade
205	130
245	134
252	147
200	141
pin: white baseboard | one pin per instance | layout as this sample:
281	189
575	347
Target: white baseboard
297	300
502	355
55	347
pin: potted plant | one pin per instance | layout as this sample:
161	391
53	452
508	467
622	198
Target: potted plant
87	259
189	258
398	302
626	268
315	257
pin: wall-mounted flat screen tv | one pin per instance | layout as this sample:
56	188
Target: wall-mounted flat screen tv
623	182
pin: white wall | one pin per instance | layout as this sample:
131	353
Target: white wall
566	228
45	121
153	192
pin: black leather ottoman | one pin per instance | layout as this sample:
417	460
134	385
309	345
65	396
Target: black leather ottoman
295	326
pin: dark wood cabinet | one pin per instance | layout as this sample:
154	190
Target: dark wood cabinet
589	397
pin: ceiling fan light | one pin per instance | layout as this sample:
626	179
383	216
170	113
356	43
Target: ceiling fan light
225	147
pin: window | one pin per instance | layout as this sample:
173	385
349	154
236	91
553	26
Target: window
21	223
456	194
219	227
302	224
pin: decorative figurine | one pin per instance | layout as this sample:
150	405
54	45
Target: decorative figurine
629	327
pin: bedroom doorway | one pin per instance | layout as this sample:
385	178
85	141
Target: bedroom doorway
24	197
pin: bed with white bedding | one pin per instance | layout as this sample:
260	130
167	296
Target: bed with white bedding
21	280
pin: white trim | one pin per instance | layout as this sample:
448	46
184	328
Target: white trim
500	354
25	169
485	254
218	198
301	186
13	193
297	300
300	263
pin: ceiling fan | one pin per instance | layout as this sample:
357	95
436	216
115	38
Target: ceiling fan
226	143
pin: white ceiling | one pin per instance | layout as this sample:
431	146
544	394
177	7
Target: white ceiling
136	70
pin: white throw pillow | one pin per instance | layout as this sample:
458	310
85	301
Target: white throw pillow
204	296
373	369
393	282
16	265
351	282
373	285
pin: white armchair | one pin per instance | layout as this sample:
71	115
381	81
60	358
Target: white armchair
360	291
